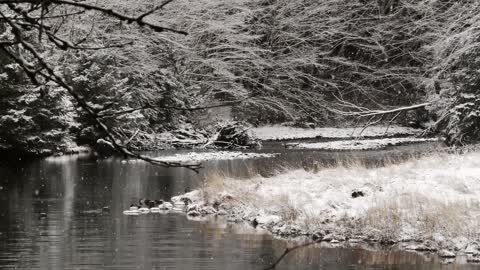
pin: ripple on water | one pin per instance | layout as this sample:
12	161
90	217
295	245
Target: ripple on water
68	238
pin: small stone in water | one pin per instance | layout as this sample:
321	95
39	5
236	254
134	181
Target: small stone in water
193	213
222	213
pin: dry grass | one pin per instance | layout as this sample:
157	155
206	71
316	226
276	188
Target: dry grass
213	183
415	215
385	220
433	197
288	212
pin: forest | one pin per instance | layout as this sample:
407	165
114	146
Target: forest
242	134
322	63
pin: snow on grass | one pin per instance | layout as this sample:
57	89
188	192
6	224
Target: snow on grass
278	132
217	155
360	144
434	198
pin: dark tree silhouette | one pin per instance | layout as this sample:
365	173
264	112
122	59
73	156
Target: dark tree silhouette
28	26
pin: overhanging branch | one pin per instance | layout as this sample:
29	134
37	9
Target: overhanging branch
41	72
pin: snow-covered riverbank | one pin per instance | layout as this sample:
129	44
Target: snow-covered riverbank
367	144
217	155
278	132
434	201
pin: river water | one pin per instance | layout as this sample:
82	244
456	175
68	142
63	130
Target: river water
77	233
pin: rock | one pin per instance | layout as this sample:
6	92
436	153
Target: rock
357	193
473	259
194	213
104	148
421	247
286	230
446	254
165	206
472	249
190	197
207	210
317	236
222	213
328	237
131	212
447	260
268	219
192	207
355	240
186	200
461	243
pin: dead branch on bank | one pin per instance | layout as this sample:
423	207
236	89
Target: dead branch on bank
374	116
288	250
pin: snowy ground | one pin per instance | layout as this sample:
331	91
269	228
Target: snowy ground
287	133
433	201
217	155
359	144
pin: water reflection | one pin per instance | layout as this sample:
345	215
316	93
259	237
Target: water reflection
77	234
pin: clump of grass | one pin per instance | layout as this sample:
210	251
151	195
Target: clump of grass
311	221
213	183
415	216
288	212
386	220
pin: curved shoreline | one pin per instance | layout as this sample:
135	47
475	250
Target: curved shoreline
430	204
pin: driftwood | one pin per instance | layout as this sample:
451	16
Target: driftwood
232	135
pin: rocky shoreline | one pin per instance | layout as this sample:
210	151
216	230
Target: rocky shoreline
284	133
359	145
436	211
329	234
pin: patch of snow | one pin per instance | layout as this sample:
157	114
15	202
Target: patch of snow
278	132
218	155
435	197
446	254
473	249
473	259
268	219
67	158
360	144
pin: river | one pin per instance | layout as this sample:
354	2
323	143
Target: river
78	233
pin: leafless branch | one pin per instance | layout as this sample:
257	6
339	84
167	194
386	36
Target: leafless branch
107	11
141	17
46	73
392	120
288	250
153	106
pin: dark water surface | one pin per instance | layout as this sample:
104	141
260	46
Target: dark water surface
77	234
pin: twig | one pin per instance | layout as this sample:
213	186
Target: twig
369	123
391	121
380	112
